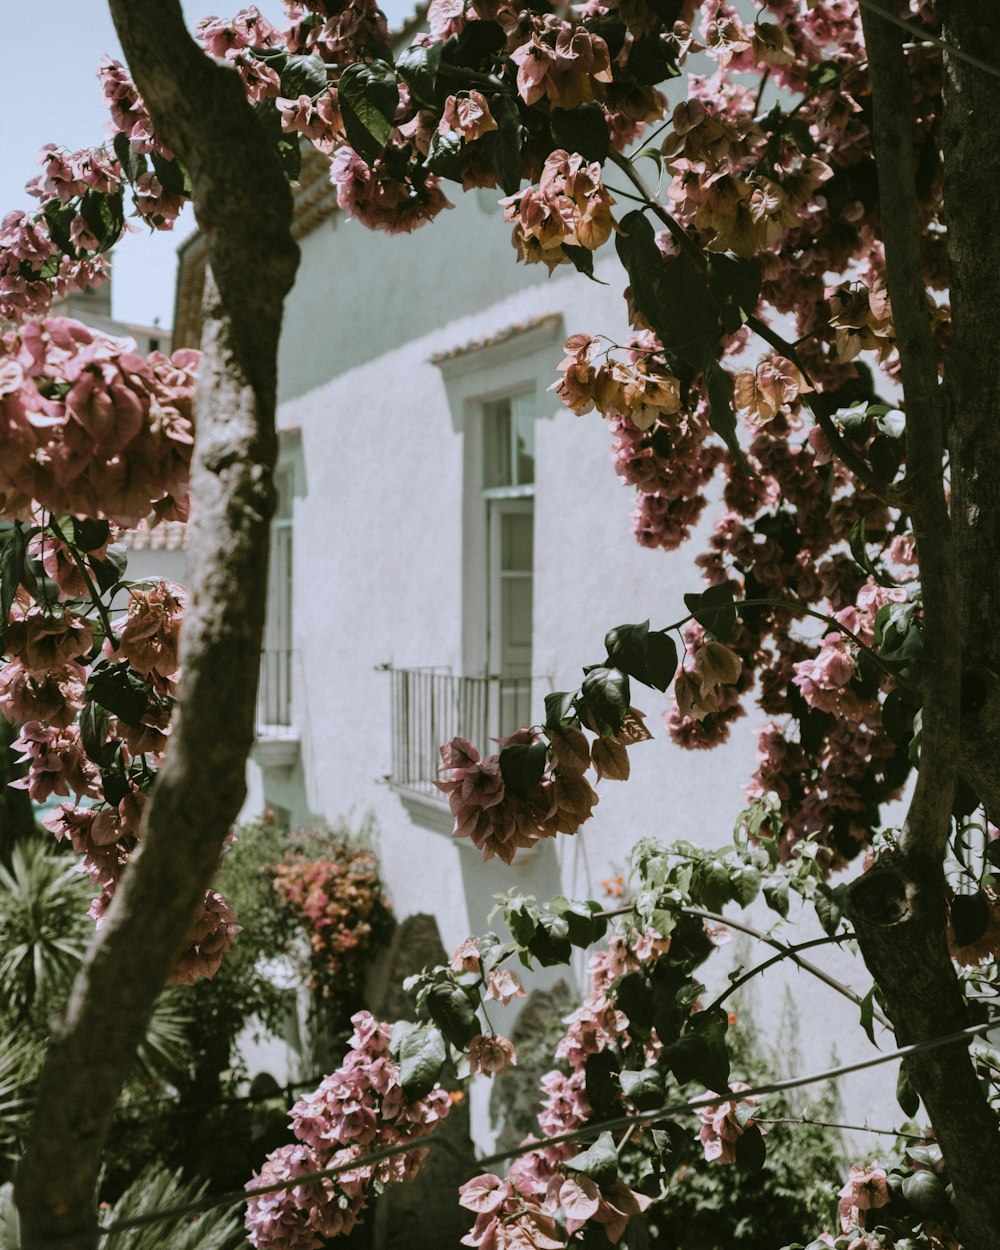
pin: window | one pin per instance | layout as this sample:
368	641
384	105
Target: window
274	701
508	476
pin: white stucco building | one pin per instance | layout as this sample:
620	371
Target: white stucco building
451	543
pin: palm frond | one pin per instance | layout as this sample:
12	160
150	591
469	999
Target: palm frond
157	1189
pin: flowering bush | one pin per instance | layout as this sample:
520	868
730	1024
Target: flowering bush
332	887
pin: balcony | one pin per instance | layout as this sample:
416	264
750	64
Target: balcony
430	706
277	744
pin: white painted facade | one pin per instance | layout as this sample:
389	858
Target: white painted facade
394	355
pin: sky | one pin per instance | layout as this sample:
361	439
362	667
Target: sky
49	94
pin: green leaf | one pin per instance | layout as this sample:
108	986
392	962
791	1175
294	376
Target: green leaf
644	1089
868	1015
649	658
632	995
829	904
421	1054
550	942
751	1150
104	215
715	610
721	415
559	708
451	1009
925	1192
303	75
776	896
522	766
601	1071
368	95
859	550
59	217
133	163
121	690
89	535
970	917
735	283
172	174
906	1095
507	148
584	923
599	1162
744	883
583	261
445	155
111	569
605	693
701	1053
583	130
13	548
93	733
418	67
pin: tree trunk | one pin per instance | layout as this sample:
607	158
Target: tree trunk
900	908
244	209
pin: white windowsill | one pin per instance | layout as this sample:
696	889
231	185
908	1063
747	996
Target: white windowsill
276	746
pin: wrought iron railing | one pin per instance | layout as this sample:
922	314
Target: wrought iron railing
274	691
432	706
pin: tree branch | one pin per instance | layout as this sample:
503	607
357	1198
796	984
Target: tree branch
244	209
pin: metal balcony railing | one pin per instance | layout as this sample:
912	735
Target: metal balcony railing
431	706
274	692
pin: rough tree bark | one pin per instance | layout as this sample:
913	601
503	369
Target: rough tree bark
899	909
244	209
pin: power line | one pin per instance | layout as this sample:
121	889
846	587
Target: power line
925	36
239	1196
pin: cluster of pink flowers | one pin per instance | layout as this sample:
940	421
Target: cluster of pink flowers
356	1111
556	59
90	427
722	1126
378	199
498	822
570	206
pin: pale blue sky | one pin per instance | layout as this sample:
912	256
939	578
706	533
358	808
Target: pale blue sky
49	94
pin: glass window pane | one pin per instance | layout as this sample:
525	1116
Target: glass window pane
523	414
516	623
516	541
496	444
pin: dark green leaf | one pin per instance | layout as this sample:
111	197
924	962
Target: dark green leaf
906	1095
970	917
601	1070
507	149
651	59
701	1054
121	690
104	215
418	67
172	175
868	1015
368	95
522	766
133	163
584	923
644	1089
776	896
421	1054
445	155
735	283
600	1162
550	942
751	1150
303	75
925	1193
829	904
522	921
859	550
649	658
451	1009
111	569
583	130
93	727
634	996
59	218
605	693
13	548
744	882
559	708
89	535
583	261
721	415
715	610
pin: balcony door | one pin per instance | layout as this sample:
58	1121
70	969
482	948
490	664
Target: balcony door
509	499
